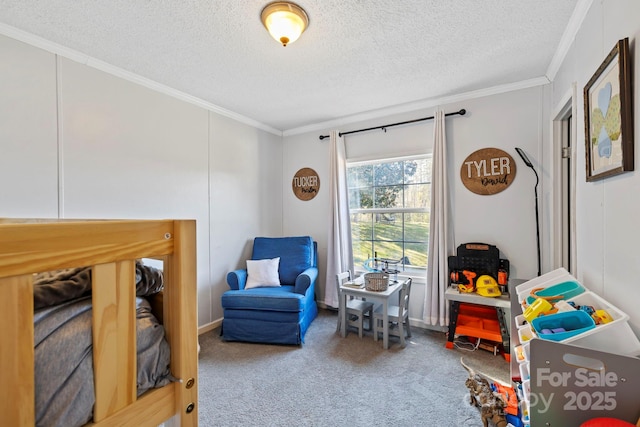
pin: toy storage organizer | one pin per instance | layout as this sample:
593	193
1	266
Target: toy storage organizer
575	327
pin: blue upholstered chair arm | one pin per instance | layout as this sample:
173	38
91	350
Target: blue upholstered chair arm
237	279
305	279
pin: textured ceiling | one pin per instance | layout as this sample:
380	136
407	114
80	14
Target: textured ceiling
355	57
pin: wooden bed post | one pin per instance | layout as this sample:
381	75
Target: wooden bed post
16	352
180	314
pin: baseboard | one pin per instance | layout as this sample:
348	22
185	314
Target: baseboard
209	326
418	323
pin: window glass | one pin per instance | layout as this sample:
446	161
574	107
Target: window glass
388	227
389	202
360	184
388	173
389	196
362	237
417	196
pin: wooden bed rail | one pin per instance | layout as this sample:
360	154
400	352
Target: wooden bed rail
110	248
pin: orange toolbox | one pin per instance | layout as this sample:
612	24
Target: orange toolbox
478	321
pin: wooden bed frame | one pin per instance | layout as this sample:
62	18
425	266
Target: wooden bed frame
111	248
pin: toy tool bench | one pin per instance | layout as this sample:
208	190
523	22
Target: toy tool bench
477	294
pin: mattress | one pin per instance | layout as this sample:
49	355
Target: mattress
64	387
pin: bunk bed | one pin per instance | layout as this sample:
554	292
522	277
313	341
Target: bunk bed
112	249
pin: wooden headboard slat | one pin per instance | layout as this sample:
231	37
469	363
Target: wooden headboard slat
32	248
114	337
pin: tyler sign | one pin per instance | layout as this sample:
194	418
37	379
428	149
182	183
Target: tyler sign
488	171
305	184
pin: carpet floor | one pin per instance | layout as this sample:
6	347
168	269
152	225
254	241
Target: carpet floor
335	381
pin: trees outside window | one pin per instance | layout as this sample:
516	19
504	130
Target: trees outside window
389	203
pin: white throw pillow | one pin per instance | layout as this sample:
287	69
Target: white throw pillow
263	273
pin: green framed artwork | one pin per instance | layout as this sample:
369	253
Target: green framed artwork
608	111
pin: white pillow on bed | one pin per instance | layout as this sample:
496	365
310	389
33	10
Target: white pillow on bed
263	273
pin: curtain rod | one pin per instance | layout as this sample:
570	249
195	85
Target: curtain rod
462	112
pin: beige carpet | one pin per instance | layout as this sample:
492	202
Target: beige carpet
335	381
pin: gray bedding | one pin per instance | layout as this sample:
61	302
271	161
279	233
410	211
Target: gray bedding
63	353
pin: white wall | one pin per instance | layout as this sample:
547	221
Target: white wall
28	132
130	152
246	197
506	220
607	210
76	142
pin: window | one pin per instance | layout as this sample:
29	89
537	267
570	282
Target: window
389	202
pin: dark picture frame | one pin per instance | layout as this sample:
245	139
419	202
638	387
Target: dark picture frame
608	116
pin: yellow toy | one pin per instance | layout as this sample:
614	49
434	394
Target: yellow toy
538	307
601	316
487	286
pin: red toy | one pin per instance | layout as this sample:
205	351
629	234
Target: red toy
608	422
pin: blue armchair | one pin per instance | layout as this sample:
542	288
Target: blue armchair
276	315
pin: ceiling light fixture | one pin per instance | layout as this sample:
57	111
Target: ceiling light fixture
285	21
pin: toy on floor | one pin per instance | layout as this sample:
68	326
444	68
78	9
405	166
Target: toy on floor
492	405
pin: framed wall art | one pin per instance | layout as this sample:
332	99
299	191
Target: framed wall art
608	116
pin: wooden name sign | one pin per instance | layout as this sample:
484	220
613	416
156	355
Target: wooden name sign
305	184
488	171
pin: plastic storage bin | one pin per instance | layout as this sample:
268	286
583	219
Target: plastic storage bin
524	371
526	333
599	303
522	352
572	322
548	279
615	336
526	390
560	291
520	321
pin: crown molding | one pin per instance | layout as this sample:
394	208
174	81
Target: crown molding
80	57
417	105
582	8
569	35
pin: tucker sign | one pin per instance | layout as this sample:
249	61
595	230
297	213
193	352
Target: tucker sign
305	184
488	171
